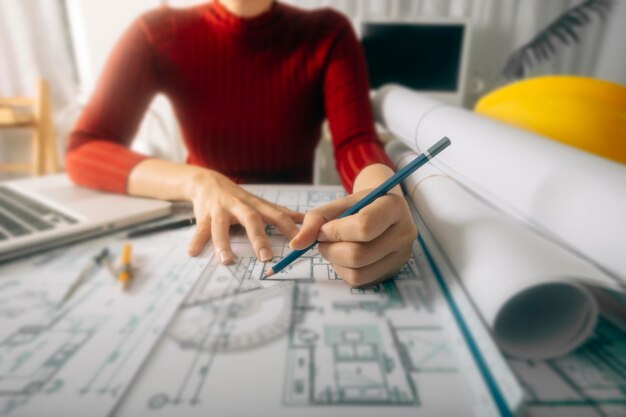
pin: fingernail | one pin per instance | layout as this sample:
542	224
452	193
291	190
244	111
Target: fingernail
266	255
225	257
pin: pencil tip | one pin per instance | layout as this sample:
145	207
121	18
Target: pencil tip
268	273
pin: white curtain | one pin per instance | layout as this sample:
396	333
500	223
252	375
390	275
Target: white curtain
33	43
501	26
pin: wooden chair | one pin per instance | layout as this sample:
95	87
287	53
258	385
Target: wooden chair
32	113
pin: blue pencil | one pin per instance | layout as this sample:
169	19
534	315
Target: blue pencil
379	191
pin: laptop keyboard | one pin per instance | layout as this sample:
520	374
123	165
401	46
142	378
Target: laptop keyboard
21	215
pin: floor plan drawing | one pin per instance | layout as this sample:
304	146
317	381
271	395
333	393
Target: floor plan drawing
302	342
80	356
194	337
370	348
372	363
588	382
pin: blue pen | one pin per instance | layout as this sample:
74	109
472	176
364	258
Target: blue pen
379	191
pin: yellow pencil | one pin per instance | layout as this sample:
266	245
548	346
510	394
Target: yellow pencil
125	274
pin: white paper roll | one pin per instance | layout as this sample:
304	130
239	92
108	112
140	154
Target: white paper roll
569	195
528	289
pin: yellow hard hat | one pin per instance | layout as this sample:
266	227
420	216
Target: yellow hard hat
587	113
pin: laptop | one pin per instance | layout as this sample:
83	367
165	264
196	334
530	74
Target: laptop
45	212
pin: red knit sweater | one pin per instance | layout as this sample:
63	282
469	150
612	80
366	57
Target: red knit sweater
250	95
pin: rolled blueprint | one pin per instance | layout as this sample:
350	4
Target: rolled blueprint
571	196
529	290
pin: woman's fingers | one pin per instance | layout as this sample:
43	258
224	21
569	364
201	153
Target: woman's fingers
361	254
253	219
317	217
376	272
366	247
294	215
218	202
283	220
364	226
322	224
200	237
220	225
311	225
255	229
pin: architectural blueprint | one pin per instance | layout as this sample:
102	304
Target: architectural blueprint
304	343
590	382
196	338
79	357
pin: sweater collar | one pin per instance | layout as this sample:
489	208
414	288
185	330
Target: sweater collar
263	22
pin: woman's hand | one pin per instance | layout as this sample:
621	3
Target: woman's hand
364	248
218	203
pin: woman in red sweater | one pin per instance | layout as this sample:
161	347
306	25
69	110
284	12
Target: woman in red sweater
250	82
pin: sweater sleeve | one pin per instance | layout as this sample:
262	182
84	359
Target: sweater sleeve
98	154
348	108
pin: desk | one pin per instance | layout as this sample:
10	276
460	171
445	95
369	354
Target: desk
194	338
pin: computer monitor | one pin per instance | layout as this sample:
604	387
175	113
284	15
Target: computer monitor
425	55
